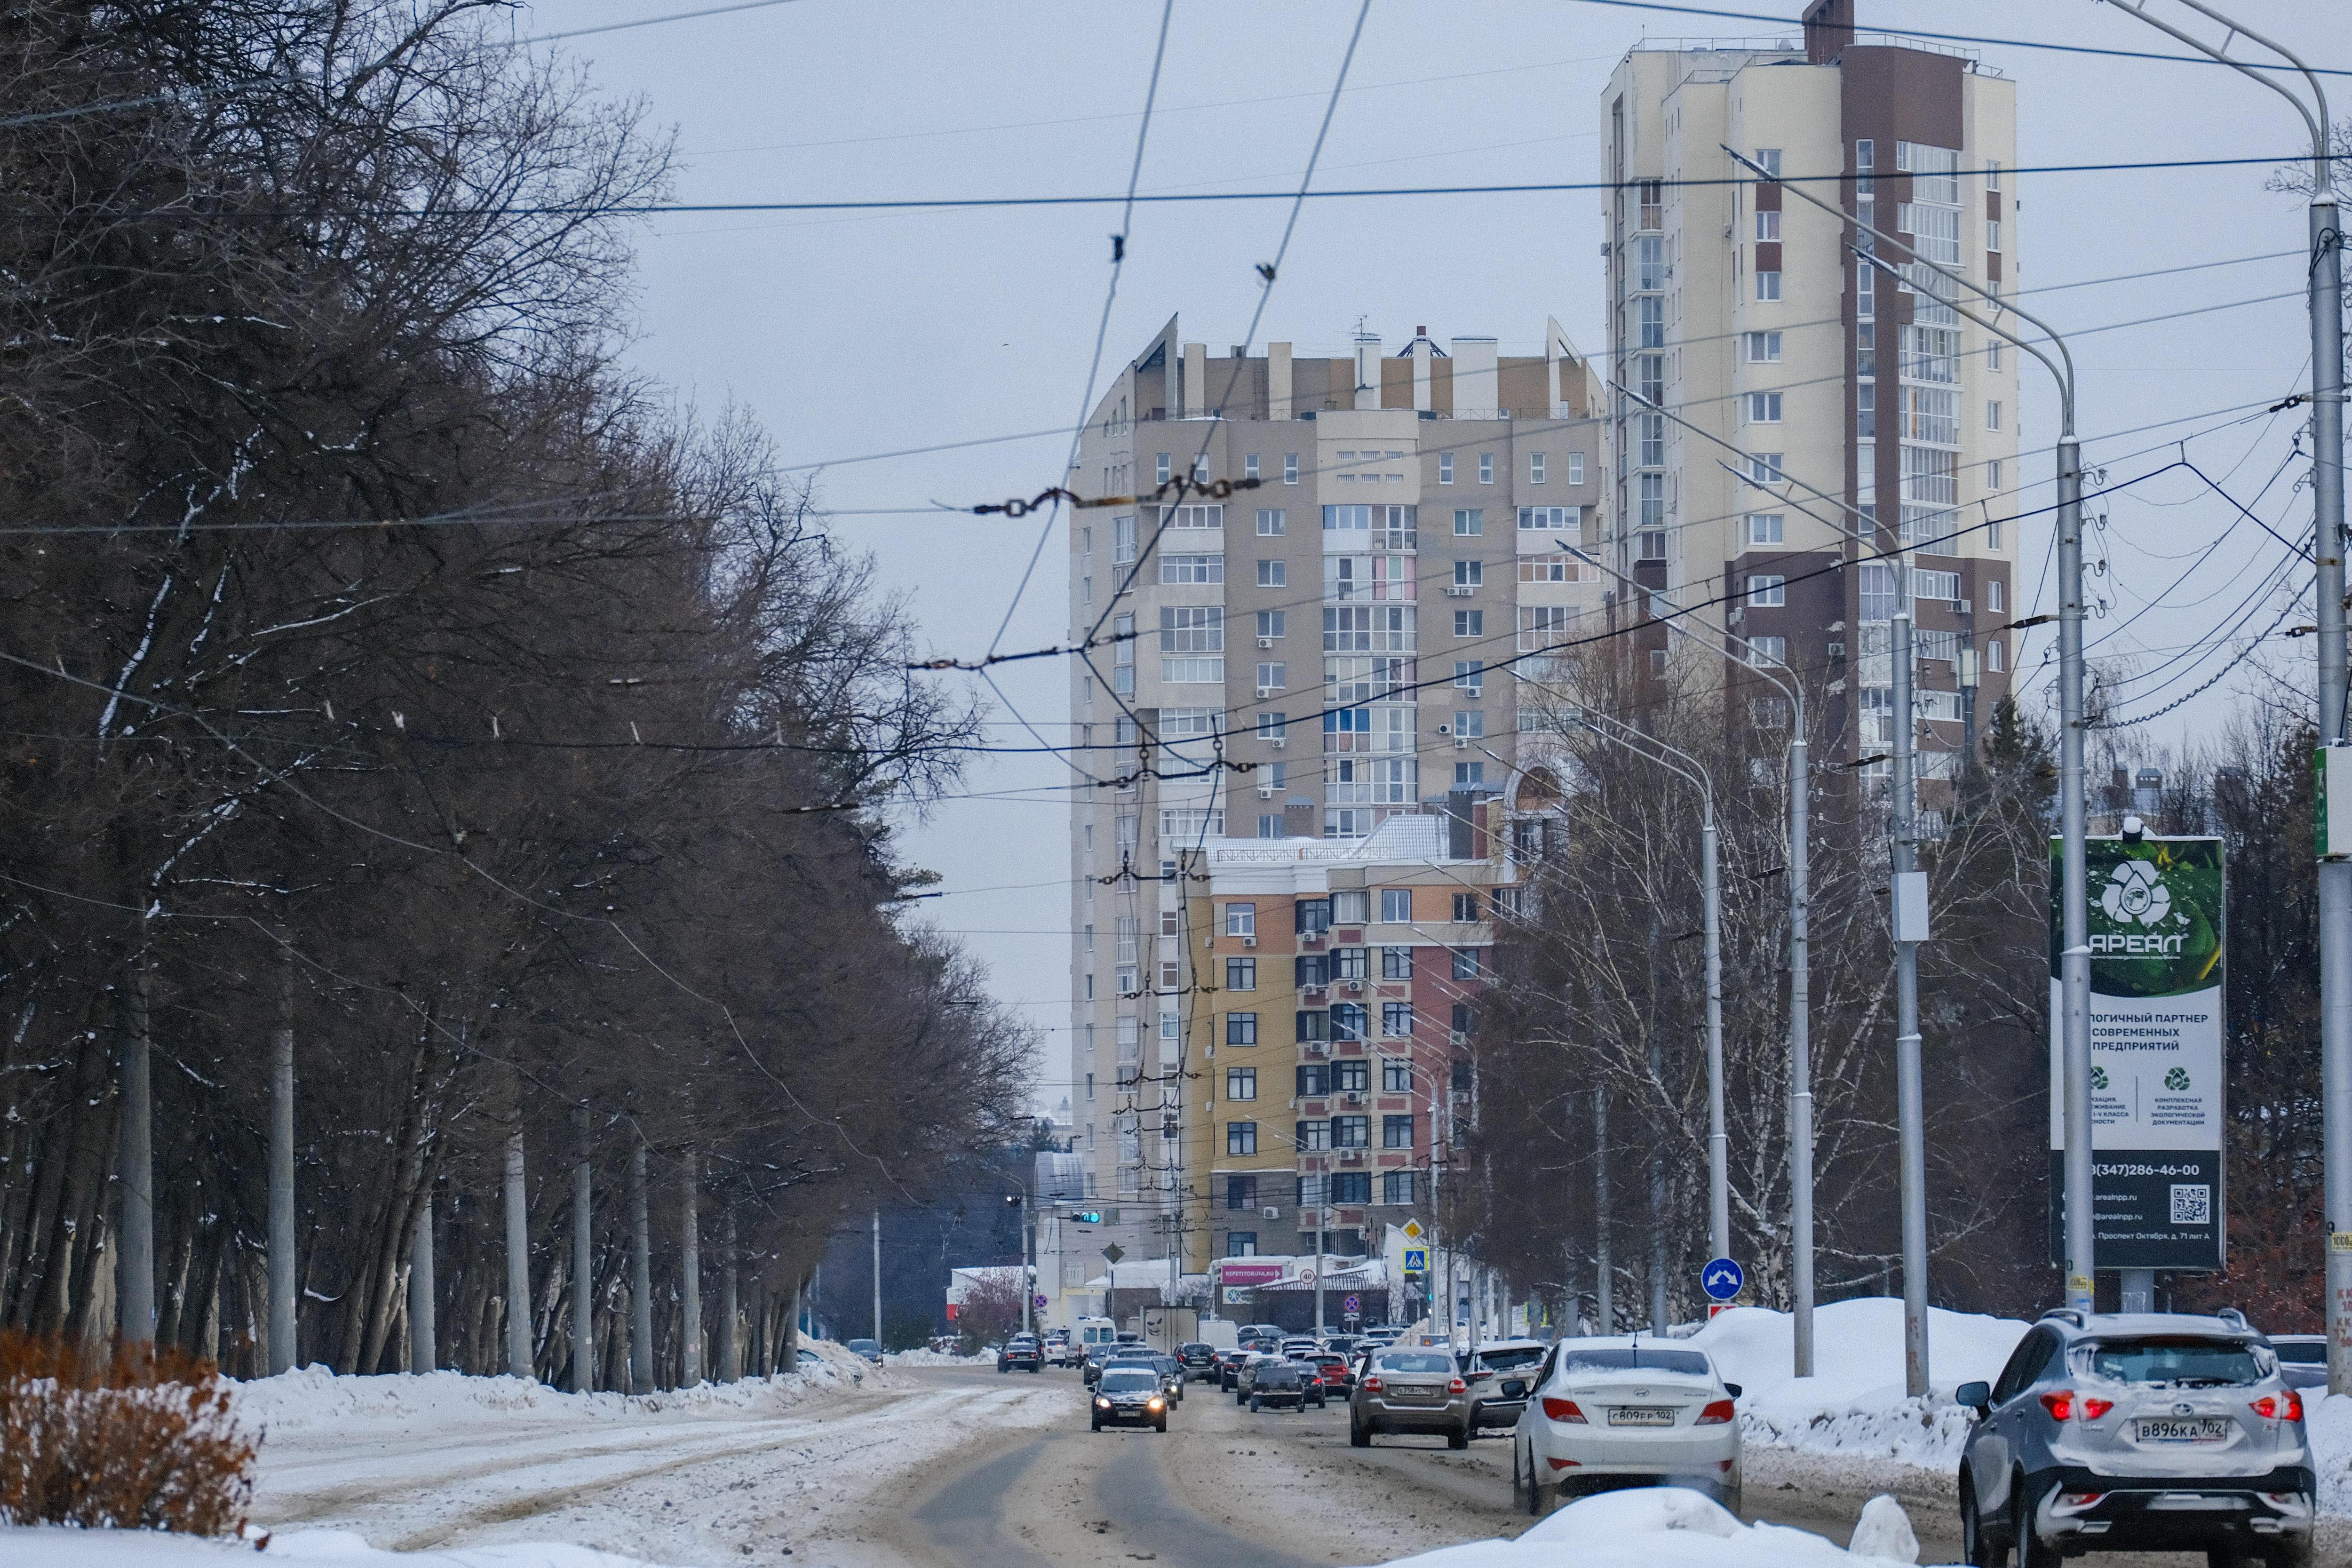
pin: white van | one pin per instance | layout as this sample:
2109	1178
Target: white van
1088	1336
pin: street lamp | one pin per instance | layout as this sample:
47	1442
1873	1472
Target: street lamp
1801	1059
1718	1142
2327	527
2075	952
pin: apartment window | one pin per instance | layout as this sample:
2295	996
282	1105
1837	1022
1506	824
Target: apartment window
1650	544
1485	468
1269	522
1396	1020
1269	826
1992	415
1270	623
1769	160
1992	655
1241	974
1249	467
1347	1021
1163	468
1535	468
1464	965
1764	469
1465	907
1994	478
1351	1074
1241	1137
1241	1028
1396	1187
1122	675
1764	409
1469	774
1880	590
1122	542
1273	573
1241	1192
1992	353
1767	226
1766	527
1544	626
1241	1243
1469	522
1241	920
1273	677
1396	1131
1567	521
1444	468
1194	630
1469	723
1768	651
1272	726
1768	286
1290	468
1993	535
1996	594
1313	1136
1992	234
1241	1083
1396	907
1469	623
1469	675
1576	468
1992	175
1349	909
1351	1132
1767	592
1469	574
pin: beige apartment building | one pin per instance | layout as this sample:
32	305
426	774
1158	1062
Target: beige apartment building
1331	644
1833	438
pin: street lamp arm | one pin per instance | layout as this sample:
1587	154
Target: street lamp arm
1796	694
2319	159
1688	767
2065	379
1661	409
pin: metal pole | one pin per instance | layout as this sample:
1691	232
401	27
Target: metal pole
641	1276
1910	1108
518	1262
730	1309
689	1272
283	1329
1028	1257
136	1266
1605	1285
1718	1138
2075	953
2334	876
1801	1049
1321	1192
583	1263
422	1342
878	1276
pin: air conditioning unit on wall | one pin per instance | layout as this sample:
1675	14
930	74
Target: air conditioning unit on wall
1271	1213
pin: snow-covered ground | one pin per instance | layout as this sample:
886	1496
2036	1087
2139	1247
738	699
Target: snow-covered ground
932	1358
1673	1527
304	1549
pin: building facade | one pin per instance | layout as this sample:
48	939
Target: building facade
1332	644
1830	440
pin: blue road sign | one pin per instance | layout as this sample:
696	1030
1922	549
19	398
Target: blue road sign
1721	1278
1416	1260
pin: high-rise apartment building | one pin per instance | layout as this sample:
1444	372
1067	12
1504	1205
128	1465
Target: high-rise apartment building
1834	438
1330	645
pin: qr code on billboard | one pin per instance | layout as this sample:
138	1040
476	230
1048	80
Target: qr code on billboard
2192	1204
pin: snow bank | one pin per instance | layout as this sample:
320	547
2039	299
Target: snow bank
2329	1419
56	1548
314	1398
1666	1527
1854	1403
932	1358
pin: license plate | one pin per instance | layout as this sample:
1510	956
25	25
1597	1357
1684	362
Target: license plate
1641	1416
1417	1395
2201	1429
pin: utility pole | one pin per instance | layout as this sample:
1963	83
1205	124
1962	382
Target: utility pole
135	1269
518	1261
1322	1215
1906	904
422	1342
730	1307
583	1263
641	1275
282	1320
2075	956
689	1271
1605	1285
878	1276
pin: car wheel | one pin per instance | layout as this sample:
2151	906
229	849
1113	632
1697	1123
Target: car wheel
1459	1438
1097	1423
1255	1405
2033	1552
1160	1424
2296	1553
1359	1435
1976	1549
1522	1492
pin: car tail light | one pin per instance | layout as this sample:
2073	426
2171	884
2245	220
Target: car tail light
2095	1408
1564	1464
2060	1404
1563	1410
1716	1413
1455	1385
2274	1407
2078	1502
1374	1386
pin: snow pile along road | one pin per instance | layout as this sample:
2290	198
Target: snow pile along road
55	1548
932	1358
1854	1403
1668	1527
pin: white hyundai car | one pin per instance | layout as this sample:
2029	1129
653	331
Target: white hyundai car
1625	1411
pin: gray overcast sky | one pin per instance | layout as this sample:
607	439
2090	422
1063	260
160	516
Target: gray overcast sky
851	334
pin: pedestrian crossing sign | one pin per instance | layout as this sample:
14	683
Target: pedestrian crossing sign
1416	1260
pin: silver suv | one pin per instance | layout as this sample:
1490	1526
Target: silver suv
2136	1432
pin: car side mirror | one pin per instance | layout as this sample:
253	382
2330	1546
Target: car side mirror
1976	1397
1733	1389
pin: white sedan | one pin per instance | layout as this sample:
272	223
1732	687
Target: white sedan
1617	1412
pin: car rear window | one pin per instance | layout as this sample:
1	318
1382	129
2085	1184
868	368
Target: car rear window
2302	1354
1629	1358
2180	1362
1508	1360
1283	1376
1415	1361
1129	1380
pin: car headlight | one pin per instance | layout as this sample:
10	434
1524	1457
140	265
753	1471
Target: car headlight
1102	1403
1157	1403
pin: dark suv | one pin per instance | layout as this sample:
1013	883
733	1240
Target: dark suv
1023	1351
1198	1360
1284	1385
2138	1432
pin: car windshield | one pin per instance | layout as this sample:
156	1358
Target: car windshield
1634	1358
863	1345
1125	1380
1283	1376
1505	1358
1416	1361
2302	1353
2180	1362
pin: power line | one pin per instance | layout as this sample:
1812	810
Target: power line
741	5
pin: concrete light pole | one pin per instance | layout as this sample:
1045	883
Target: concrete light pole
1907	903
2326	286
2075	952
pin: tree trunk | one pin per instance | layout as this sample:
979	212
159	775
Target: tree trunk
689	1273
730	1322
518	1262
134	1259
641	1277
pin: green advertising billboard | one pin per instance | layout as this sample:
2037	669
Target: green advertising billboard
2156	942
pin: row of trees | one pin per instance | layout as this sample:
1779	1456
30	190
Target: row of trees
1597	1025
400	693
